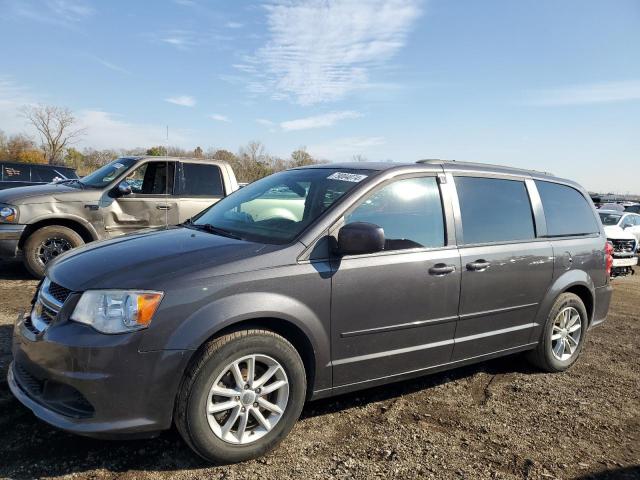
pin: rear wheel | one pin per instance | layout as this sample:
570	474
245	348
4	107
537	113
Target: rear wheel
46	244
563	334
241	397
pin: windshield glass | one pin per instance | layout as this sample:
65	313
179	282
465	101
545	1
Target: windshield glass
105	175
276	209
609	219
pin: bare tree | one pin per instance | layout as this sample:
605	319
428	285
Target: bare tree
57	129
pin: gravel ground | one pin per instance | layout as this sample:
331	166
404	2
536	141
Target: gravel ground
498	419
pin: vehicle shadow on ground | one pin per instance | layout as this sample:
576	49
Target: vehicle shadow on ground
624	473
61	453
13	270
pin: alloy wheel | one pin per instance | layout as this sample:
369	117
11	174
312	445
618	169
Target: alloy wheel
566	333
247	399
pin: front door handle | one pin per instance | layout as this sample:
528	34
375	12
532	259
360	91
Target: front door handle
478	265
441	269
163	207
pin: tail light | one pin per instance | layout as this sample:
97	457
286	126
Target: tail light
608	253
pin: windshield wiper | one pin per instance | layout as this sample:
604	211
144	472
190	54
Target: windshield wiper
207	227
72	180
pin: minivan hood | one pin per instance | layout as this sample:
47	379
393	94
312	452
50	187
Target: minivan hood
50	192
615	232
151	259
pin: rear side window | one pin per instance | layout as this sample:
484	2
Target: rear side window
201	180
409	211
494	210
43	174
16	173
566	210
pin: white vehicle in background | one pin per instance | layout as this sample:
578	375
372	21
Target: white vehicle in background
623	231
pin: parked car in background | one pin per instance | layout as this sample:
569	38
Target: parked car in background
623	231
14	174
306	284
38	223
611	206
633	208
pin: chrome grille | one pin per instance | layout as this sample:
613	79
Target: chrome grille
624	246
49	301
59	292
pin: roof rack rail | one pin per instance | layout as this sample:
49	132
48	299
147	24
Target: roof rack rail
438	161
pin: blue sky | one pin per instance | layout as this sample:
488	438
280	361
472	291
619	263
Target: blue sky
544	84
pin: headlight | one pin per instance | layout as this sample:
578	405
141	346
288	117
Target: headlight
116	311
8	214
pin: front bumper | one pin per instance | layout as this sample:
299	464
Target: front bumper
10	235
625	261
93	384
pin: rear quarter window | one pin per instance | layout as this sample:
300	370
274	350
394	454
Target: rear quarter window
201	180
566	210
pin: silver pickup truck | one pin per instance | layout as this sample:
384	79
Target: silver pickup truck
38	223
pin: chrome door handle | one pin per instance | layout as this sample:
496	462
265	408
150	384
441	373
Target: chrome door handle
163	207
478	265
441	269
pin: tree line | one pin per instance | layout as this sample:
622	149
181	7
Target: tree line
57	131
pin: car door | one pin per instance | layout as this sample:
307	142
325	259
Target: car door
147	204
506	269
395	311
199	186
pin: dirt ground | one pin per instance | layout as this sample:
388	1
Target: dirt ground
499	419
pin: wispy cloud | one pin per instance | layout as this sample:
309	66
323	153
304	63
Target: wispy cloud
64	13
219	118
111	66
182	100
318	121
234	25
604	92
345	148
319	51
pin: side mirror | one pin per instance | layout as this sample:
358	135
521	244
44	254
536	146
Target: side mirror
360	237
123	189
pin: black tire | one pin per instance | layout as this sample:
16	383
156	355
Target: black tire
31	251
190	412
543	356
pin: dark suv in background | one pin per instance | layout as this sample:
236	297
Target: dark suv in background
14	174
309	283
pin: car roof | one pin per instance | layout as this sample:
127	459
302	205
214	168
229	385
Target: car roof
46	165
448	165
211	161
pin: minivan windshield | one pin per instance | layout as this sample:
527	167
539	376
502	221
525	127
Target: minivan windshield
277	208
609	219
105	175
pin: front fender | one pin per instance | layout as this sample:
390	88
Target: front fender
565	281
52	216
222	313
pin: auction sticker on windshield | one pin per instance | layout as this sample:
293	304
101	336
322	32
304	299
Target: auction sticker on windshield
347	177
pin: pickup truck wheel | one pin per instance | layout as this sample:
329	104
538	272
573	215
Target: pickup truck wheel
563	335
241	396
47	243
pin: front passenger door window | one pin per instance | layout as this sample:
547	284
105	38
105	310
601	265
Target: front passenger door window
409	211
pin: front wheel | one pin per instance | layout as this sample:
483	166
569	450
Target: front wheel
241	397
563	335
47	243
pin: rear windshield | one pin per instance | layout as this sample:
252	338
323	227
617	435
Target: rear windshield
609	219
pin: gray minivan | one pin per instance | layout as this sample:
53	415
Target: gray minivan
306	284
